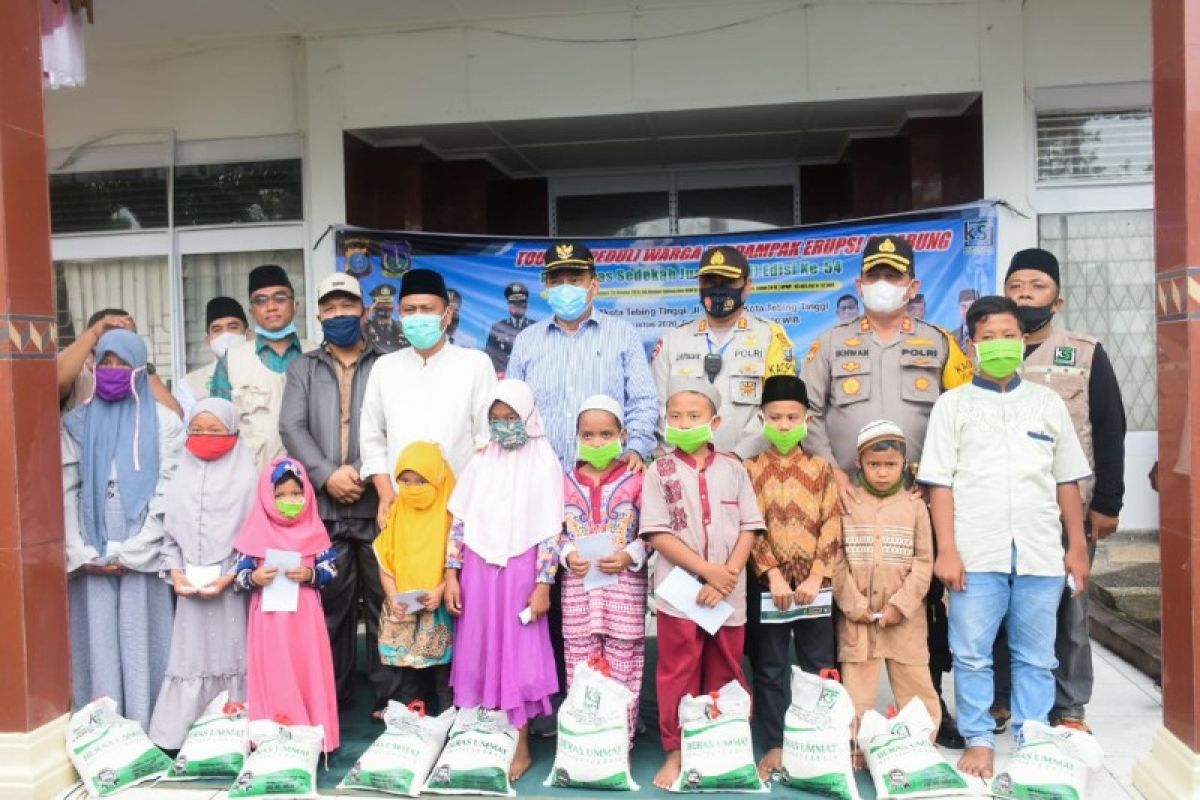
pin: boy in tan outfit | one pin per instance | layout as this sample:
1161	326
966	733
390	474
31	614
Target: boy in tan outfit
888	544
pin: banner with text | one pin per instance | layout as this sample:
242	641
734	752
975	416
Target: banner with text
803	276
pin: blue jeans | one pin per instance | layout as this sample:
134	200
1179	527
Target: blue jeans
1028	606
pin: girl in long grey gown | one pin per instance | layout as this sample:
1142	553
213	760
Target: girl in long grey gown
207	502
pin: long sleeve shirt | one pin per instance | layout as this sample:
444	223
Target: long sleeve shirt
605	356
324	570
547	554
888	544
798	498
409	398
1107	415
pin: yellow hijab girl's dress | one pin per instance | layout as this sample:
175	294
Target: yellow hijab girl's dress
411	549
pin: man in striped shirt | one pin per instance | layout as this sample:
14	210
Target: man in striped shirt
581	351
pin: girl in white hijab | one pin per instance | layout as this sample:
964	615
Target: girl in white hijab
207	501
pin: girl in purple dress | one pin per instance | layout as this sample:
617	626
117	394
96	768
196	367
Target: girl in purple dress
500	564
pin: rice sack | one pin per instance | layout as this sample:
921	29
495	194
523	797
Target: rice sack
477	756
902	759
1052	764
284	761
216	745
111	753
399	761
817	738
593	733
717	754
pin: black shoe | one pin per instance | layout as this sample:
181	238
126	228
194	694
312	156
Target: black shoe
948	735
1000	716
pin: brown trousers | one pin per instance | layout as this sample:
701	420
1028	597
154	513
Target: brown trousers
861	679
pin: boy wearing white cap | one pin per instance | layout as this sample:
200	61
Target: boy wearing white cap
888	544
602	497
700	514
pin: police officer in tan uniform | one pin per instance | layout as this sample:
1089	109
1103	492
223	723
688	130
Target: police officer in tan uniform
884	365
731	348
1076	366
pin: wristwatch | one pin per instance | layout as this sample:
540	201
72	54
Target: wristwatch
151	369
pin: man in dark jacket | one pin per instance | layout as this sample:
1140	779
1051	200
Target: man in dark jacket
318	423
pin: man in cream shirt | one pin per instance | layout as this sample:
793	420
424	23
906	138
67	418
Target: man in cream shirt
432	391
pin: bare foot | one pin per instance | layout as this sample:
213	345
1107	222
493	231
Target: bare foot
523	759
977	761
857	760
770	763
668	773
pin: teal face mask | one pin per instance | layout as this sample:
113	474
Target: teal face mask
423	331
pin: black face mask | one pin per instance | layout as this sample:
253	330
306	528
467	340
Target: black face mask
724	300
1034	318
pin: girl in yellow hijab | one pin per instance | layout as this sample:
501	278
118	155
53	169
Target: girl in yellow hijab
411	551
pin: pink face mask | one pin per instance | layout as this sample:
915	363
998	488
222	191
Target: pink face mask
114	384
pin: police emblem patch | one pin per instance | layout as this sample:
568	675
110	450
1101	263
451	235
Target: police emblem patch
812	351
851	386
853	341
1064	356
922	384
850	366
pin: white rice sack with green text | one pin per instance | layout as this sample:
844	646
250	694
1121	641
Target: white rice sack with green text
109	752
399	761
283	764
477	756
716	752
903	761
817	754
1052	764
593	734
216	745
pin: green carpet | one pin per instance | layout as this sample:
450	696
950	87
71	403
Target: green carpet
359	731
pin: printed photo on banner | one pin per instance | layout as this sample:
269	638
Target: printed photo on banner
803	277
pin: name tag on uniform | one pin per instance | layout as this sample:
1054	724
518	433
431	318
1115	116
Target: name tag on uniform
746	389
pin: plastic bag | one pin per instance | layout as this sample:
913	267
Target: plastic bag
1052	764
902	759
477	757
399	761
216	745
284	761
593	733
817	738
716	752
109	752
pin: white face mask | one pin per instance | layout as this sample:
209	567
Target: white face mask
884	297
221	344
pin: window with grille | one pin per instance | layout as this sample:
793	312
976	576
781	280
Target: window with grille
1095	146
1107	261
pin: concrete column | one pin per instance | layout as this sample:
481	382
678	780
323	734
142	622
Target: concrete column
324	161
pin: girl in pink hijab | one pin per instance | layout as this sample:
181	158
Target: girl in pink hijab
500	564
289	667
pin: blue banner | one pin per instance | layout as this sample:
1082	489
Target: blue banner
799	274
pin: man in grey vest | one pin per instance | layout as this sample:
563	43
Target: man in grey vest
1076	366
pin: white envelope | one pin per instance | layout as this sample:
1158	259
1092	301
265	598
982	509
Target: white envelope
284	593
680	589
592	549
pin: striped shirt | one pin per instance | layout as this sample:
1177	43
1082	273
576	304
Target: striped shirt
605	356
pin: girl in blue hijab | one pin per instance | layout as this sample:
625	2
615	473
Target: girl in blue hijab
119	449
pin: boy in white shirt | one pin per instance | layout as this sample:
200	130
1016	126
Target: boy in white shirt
1002	463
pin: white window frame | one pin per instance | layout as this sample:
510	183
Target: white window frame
173	243
672	181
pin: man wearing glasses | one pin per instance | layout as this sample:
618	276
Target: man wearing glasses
729	347
255	372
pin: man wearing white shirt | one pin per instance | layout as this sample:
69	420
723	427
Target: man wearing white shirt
226	326
434	391
1002	462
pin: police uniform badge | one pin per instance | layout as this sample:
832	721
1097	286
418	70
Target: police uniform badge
812	351
1064	356
922	384
851	386
747	389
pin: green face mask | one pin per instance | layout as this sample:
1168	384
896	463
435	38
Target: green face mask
689	440
600	457
785	440
999	358
289	508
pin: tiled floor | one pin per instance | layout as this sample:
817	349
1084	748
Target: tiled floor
1125	712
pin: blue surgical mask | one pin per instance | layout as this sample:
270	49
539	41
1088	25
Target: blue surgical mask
423	331
342	331
509	433
275	336
568	302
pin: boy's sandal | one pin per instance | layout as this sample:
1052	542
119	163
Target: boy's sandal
1001	717
1074	723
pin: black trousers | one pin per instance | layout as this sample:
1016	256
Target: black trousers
430	685
355	594
769	648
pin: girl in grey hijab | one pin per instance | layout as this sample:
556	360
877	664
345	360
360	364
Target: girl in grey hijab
207	501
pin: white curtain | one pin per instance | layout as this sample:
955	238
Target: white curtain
141	286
